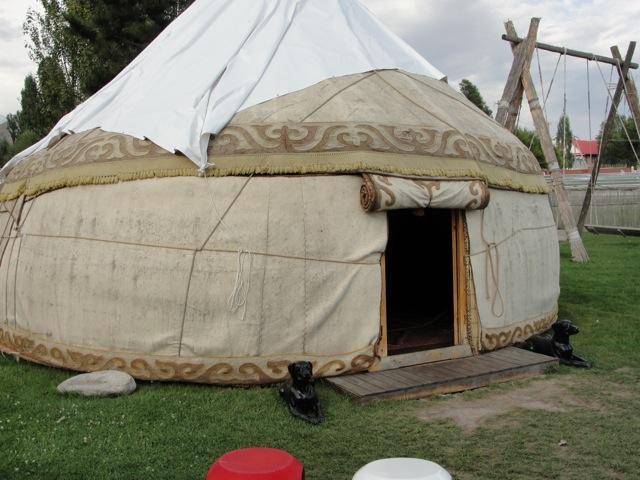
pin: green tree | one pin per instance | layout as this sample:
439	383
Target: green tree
4	152
51	41
564	139
13	125
618	149
531	141
24	140
116	31
79	46
470	91
56	95
30	116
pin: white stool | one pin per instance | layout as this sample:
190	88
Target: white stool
402	469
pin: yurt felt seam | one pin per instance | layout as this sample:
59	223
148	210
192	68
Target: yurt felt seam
189	249
470	106
430	112
337	93
509	237
11	220
195	254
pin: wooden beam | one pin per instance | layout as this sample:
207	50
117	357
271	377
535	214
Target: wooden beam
381	347
631	90
521	63
455	273
572	53
578	252
623	68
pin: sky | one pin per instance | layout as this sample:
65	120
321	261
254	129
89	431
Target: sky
459	37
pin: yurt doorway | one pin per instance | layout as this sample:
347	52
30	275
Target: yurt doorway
419	280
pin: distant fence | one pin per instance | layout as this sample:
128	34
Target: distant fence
615	202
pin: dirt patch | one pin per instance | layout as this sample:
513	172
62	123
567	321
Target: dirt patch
549	395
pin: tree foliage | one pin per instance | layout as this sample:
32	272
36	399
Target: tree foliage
618	150
564	138
13	125
472	93
532	141
79	46
24	140
116	31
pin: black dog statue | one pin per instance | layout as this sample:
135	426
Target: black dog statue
555	342
299	393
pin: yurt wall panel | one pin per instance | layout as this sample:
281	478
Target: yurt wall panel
219	270
515	259
177	212
102	295
8	277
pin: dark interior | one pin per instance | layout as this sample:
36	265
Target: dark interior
419	280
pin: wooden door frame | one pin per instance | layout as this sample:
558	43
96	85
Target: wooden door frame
460	347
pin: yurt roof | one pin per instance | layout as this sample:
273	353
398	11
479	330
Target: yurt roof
389	122
223	56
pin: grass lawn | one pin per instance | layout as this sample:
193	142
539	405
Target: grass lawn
176	431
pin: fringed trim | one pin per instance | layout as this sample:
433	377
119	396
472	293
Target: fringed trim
32	187
43	187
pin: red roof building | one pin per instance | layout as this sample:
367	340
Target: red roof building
586	148
585	152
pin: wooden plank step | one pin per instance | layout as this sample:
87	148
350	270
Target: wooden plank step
448	376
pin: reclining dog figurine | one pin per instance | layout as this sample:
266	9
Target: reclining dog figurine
300	394
556	343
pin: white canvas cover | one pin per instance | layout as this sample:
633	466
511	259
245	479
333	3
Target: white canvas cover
222	56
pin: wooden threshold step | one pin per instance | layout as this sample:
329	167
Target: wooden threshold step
448	376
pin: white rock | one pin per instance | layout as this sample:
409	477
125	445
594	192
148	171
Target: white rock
99	384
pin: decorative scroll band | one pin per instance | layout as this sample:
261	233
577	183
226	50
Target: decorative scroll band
495	338
197	370
94	146
414	140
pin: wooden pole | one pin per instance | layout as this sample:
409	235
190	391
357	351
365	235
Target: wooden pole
578	252
521	63
623	69
631	90
568	51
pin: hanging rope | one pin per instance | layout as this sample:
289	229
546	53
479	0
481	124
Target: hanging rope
544	106
544	101
564	114
613	106
589	100
240	293
518	117
492	267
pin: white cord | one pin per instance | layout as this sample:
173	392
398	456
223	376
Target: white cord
240	292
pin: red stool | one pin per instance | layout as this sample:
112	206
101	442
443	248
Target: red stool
256	464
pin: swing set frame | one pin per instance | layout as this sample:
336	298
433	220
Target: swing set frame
520	83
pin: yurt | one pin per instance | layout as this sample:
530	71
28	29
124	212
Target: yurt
273	181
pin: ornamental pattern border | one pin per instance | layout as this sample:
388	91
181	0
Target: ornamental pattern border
85	148
98	146
155	368
404	139
494	338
